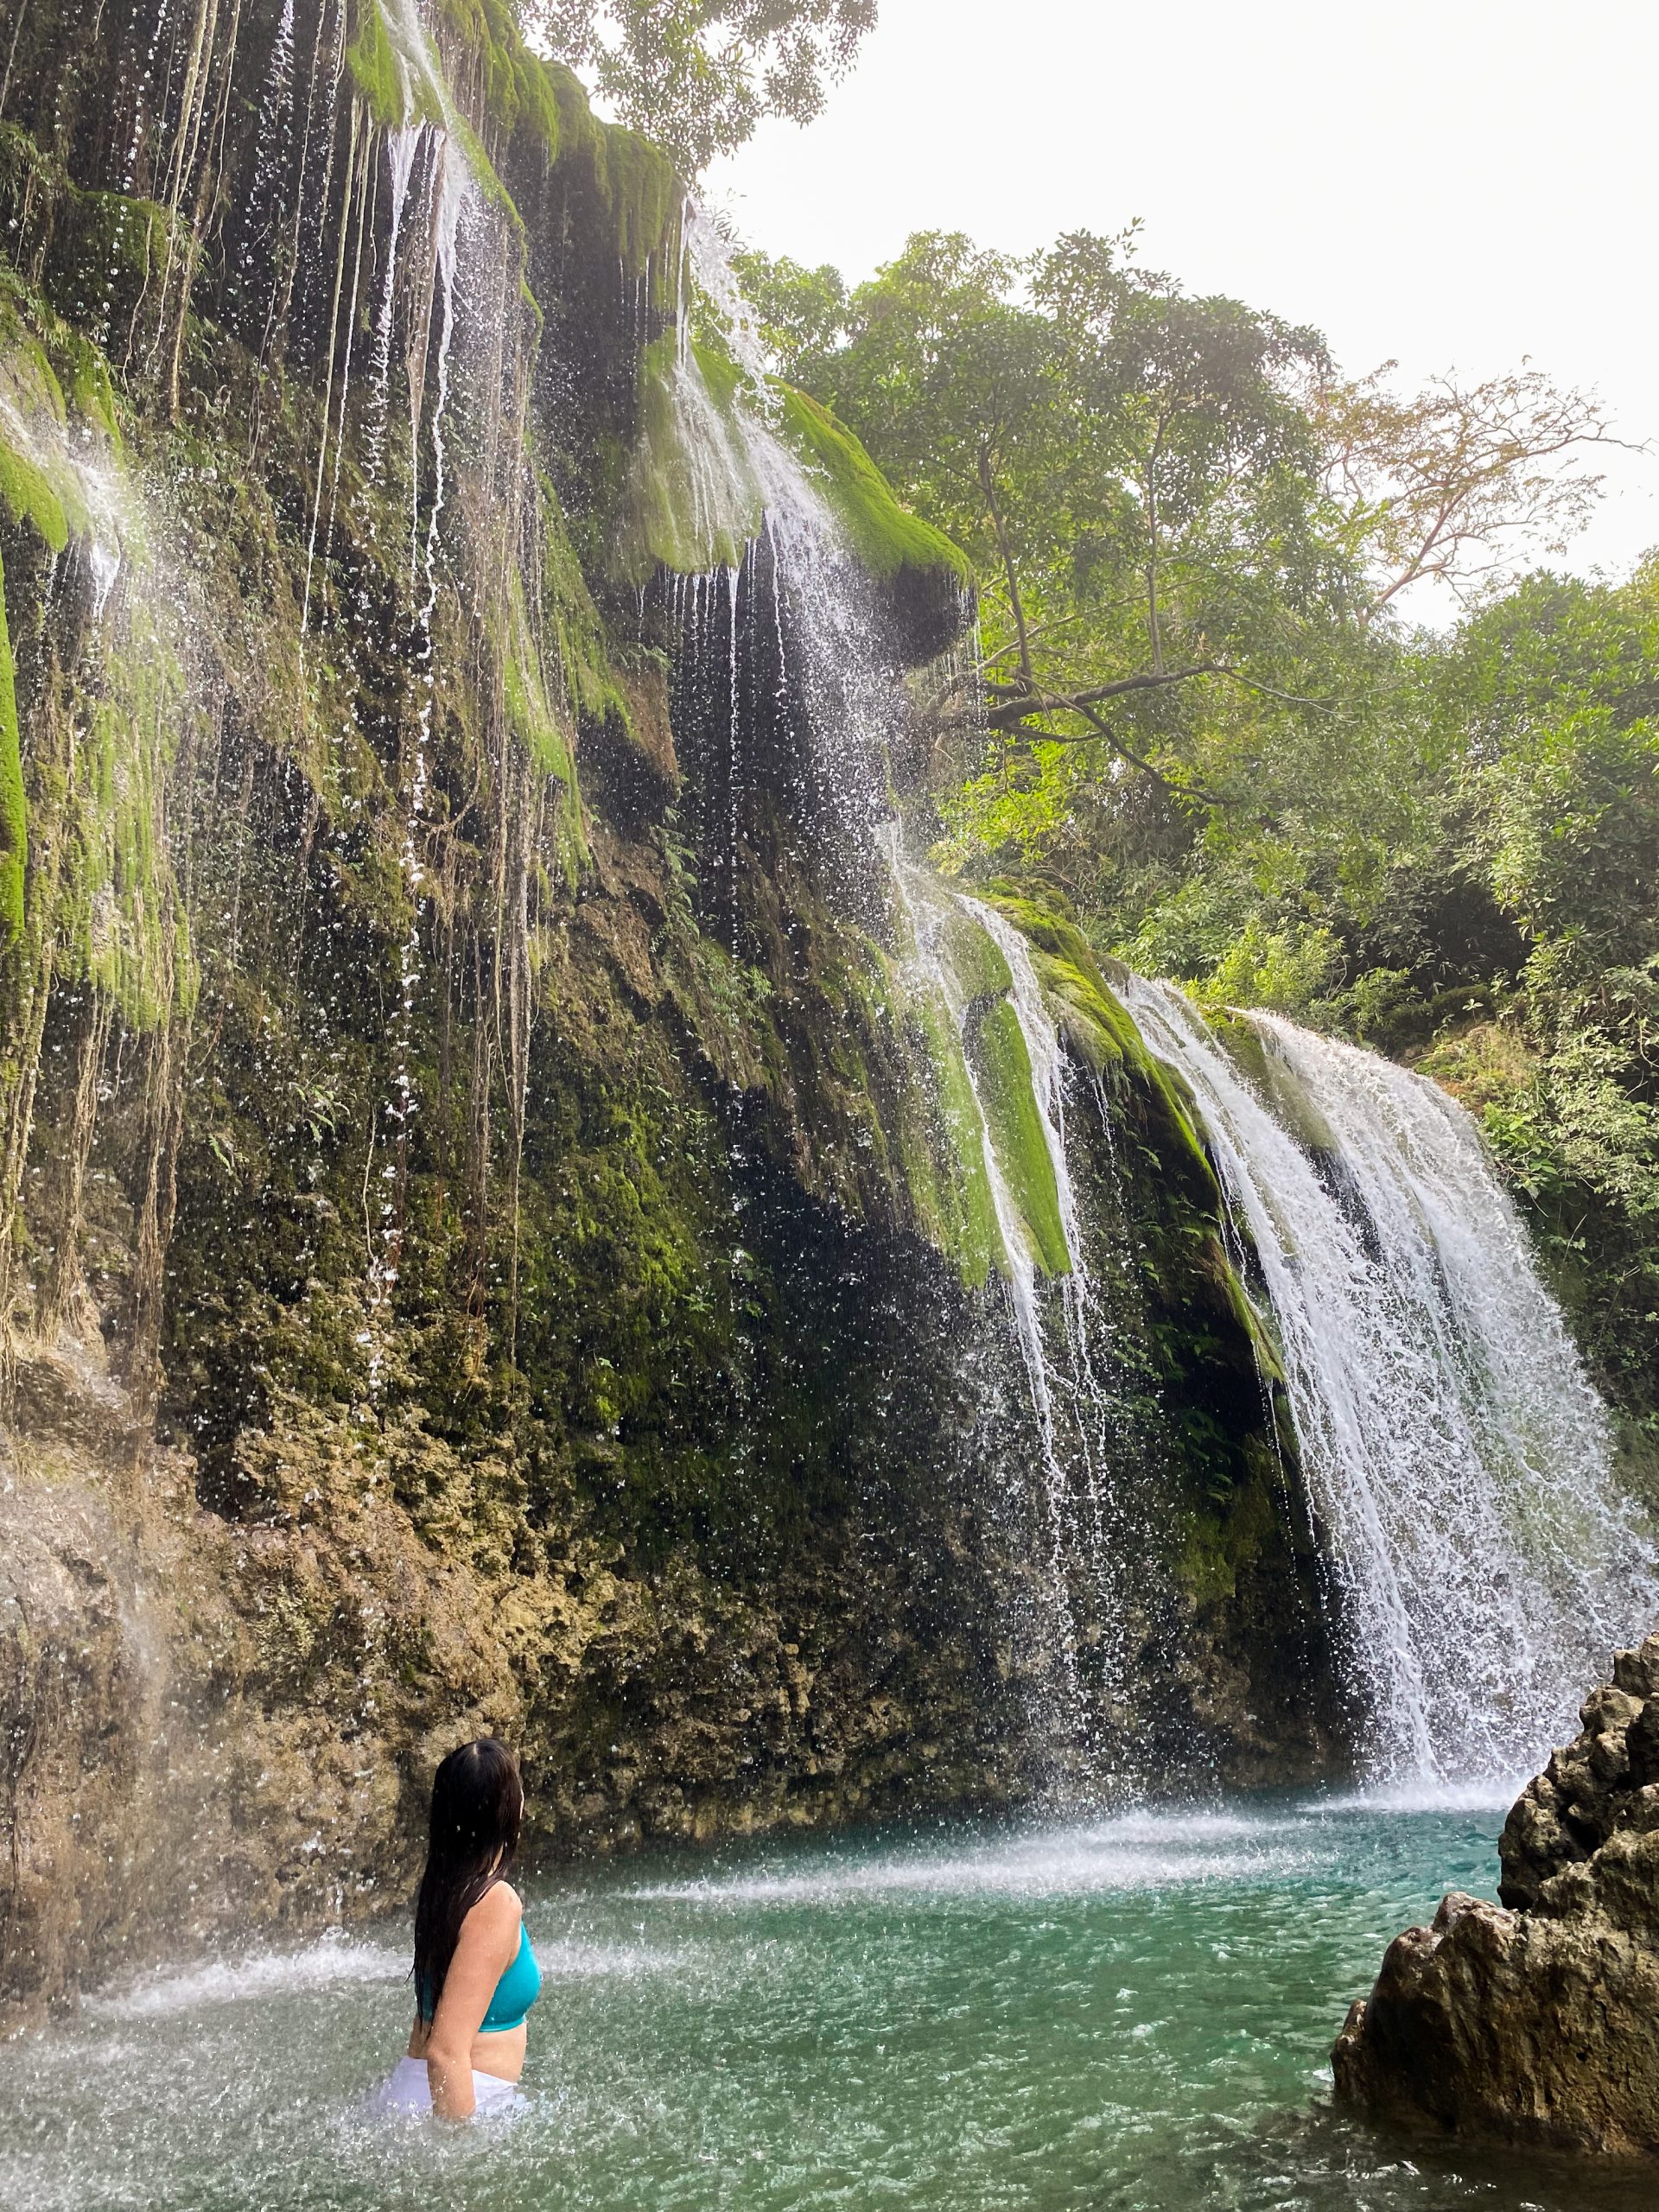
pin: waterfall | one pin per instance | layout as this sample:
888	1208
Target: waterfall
1456	1454
748	511
1084	1330
452	202
1058	1319
403	143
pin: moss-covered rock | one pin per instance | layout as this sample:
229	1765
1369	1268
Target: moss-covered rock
696	498
14	812
1264	1068
925	580
1001	1064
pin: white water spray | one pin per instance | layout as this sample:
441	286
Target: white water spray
1079	1375
451	196
403	144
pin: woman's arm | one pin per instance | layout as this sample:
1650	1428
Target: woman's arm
489	1938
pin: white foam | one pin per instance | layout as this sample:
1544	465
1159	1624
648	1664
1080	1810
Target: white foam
1480	1795
331	1960
1138	1852
335	1959
573	1962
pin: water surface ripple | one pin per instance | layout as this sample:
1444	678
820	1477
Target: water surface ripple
1124	2015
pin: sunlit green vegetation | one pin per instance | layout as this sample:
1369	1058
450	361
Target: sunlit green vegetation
1278	692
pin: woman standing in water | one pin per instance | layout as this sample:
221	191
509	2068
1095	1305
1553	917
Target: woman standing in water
475	1975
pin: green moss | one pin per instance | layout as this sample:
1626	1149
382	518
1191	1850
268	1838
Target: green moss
568	606
963	1212
119	230
524	97
542	733
694	512
123	922
691	512
28	497
14	817
1098	1027
1266	1072
721	374
636	181
886	536
972	954
518	92
396	87
89	391
1217	1541
38	486
1049	933
529	716
1001	1064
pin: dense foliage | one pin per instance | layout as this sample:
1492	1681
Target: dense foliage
698	75
1202	716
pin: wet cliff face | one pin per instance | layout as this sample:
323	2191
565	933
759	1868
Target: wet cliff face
480	1240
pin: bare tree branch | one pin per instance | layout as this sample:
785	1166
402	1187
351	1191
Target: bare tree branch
1463	483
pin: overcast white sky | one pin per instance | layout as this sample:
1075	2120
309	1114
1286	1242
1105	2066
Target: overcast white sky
1453	183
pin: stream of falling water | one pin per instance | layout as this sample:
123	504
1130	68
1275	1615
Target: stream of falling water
1077	1376
451	194
751	492
1063	1332
403	144
1457	1458
275	104
1456	1454
738	464
920	899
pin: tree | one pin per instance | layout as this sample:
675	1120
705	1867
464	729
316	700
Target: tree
1462	483
801	314
1131	469
698	75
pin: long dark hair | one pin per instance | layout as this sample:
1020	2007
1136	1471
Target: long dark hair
477	1808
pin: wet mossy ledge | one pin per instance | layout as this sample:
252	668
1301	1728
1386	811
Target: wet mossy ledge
457	1250
696	496
512	110
1228	1493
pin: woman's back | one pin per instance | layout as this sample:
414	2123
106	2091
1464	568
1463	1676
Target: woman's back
475	1975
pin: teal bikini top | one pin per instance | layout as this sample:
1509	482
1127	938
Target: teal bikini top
516	1991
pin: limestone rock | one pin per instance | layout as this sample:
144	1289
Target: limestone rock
1534	2020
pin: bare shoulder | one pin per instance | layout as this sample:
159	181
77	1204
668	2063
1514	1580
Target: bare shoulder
500	1908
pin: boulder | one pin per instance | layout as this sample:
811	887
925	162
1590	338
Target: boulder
1536	2019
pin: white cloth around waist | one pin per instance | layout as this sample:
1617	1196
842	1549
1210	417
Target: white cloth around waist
407	2094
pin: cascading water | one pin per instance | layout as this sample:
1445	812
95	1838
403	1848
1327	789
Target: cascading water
1063	1333
1080	1378
761	538
402	144
451	199
1456	1455
772	555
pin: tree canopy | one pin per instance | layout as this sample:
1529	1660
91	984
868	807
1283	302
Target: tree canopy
1202	719
698	75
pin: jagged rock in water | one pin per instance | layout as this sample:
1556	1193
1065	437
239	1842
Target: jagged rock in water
1534	2020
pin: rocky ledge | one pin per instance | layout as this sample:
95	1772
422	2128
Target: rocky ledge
1537	2020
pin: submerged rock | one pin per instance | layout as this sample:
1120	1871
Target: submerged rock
1536	2018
